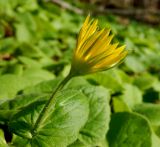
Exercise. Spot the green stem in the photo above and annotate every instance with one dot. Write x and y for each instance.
(49, 104)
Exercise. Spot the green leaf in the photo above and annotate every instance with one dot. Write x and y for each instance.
(20, 101)
(8, 108)
(43, 87)
(155, 140)
(29, 50)
(8, 45)
(131, 95)
(2, 31)
(156, 86)
(77, 82)
(5, 115)
(22, 33)
(62, 124)
(157, 130)
(151, 111)
(2, 139)
(145, 81)
(119, 105)
(97, 125)
(109, 79)
(29, 62)
(78, 144)
(134, 65)
(36, 75)
(10, 85)
(122, 77)
(129, 130)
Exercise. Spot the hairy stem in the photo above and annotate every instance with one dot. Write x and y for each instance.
(49, 104)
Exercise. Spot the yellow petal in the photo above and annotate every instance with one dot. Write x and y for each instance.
(98, 58)
(111, 61)
(119, 50)
(87, 47)
(84, 28)
(101, 45)
(90, 30)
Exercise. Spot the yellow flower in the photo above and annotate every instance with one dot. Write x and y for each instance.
(94, 51)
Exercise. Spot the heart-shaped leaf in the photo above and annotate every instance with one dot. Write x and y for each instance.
(62, 124)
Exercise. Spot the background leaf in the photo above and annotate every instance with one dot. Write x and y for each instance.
(132, 130)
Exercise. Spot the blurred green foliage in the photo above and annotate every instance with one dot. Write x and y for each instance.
(36, 43)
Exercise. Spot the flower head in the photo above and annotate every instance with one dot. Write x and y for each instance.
(94, 51)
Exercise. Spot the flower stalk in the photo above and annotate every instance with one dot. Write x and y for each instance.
(50, 103)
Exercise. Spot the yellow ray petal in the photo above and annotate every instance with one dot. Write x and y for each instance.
(90, 30)
(84, 27)
(109, 50)
(101, 46)
(111, 61)
(87, 47)
(119, 49)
